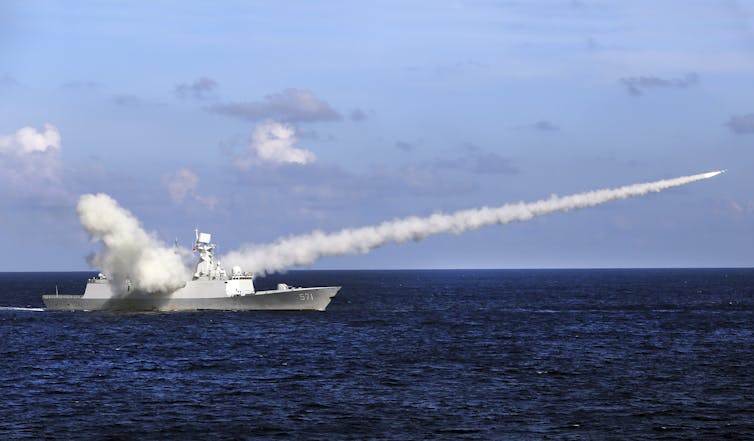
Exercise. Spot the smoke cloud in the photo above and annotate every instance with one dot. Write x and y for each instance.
(305, 249)
(129, 251)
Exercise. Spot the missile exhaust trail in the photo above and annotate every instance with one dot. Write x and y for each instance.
(305, 249)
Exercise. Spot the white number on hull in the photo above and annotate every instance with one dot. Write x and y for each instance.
(304, 296)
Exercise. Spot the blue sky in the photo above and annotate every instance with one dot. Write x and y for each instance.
(256, 120)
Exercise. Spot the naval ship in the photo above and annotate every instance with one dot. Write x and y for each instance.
(211, 288)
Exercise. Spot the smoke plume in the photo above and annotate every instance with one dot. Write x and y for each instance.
(305, 249)
(129, 251)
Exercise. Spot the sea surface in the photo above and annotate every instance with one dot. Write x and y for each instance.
(462, 354)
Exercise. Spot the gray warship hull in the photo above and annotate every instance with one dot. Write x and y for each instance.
(211, 288)
(292, 299)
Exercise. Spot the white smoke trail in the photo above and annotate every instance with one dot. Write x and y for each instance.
(305, 249)
(129, 252)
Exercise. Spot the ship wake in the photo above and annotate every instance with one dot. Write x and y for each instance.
(18, 308)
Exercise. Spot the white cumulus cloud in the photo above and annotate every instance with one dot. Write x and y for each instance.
(30, 156)
(28, 140)
(273, 142)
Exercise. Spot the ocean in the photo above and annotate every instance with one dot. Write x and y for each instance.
(638, 354)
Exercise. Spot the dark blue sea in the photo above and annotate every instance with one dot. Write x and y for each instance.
(463, 354)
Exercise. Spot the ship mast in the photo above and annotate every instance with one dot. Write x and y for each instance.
(207, 268)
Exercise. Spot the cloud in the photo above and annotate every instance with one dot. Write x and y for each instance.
(30, 159)
(290, 105)
(330, 191)
(542, 125)
(358, 115)
(742, 124)
(273, 142)
(8, 81)
(128, 100)
(478, 161)
(492, 163)
(636, 86)
(200, 89)
(423, 180)
(314, 187)
(183, 184)
(180, 184)
(545, 126)
(403, 145)
(28, 140)
(592, 44)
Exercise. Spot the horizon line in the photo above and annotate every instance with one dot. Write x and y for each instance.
(448, 269)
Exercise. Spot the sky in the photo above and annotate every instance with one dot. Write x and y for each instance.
(259, 120)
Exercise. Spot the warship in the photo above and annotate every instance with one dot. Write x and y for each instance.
(211, 288)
